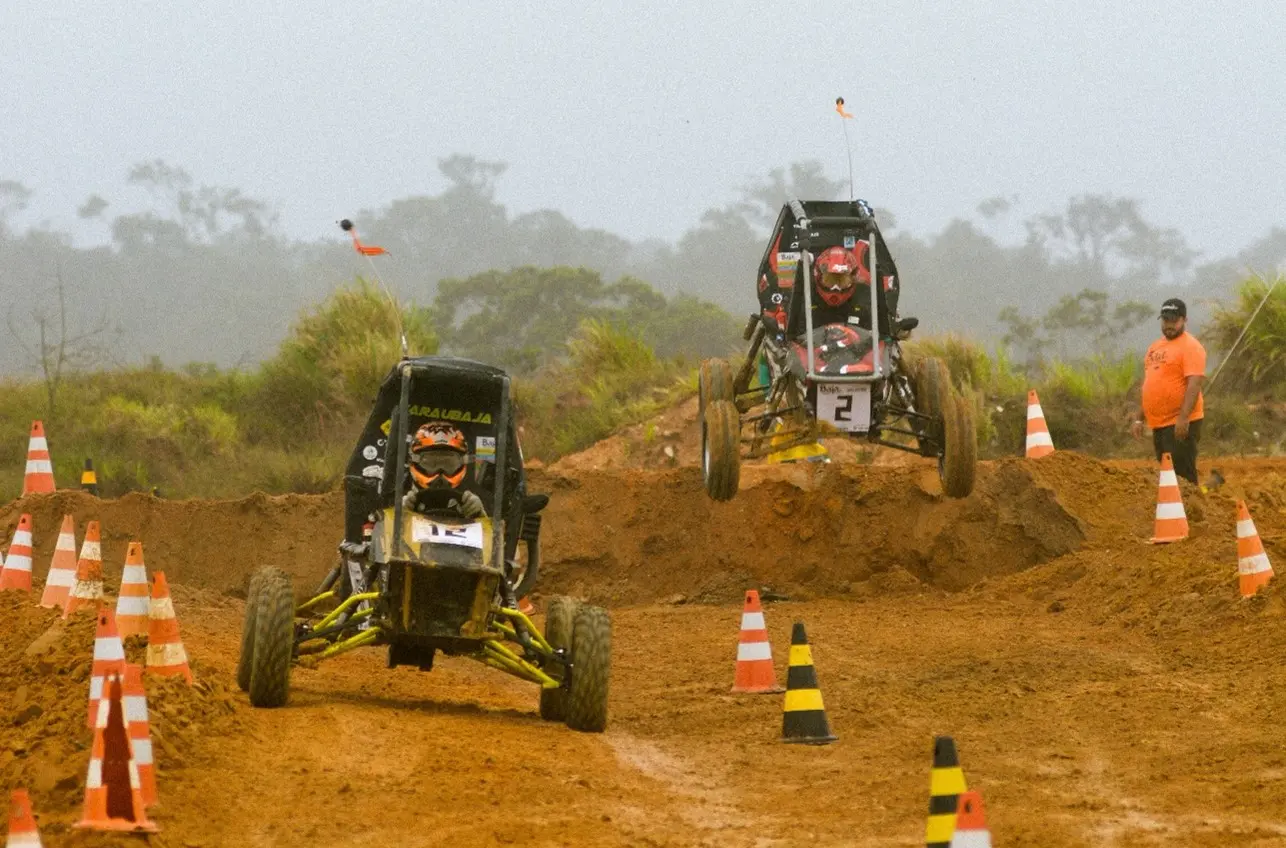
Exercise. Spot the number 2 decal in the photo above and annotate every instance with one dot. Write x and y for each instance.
(844, 408)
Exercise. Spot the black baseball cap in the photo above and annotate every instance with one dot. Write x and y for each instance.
(1174, 308)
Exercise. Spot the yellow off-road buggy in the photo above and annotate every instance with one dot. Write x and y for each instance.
(423, 583)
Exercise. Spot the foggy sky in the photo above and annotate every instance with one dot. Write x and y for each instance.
(635, 117)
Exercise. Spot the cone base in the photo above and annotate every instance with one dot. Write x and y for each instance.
(758, 690)
(811, 740)
(1165, 540)
(119, 826)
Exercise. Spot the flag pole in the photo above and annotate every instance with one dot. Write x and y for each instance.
(367, 251)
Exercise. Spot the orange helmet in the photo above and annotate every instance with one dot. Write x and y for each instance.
(438, 452)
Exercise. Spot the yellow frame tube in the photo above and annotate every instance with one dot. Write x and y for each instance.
(360, 640)
(498, 655)
(348, 602)
(531, 628)
(312, 602)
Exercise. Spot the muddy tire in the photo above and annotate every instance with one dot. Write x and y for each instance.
(721, 450)
(560, 616)
(714, 383)
(246, 658)
(274, 637)
(586, 705)
(930, 378)
(957, 466)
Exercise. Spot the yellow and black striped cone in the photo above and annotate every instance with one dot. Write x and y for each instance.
(89, 479)
(946, 784)
(803, 717)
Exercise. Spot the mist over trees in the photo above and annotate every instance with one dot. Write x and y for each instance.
(205, 274)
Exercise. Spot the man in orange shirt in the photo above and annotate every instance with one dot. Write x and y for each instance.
(1173, 372)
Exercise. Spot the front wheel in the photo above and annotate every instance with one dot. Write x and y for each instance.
(586, 704)
(274, 639)
(245, 661)
(721, 450)
(560, 616)
(714, 383)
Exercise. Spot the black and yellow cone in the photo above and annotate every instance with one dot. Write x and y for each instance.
(804, 717)
(946, 784)
(89, 479)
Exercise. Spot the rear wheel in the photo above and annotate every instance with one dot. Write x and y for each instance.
(586, 705)
(560, 617)
(274, 638)
(958, 464)
(714, 383)
(721, 450)
(246, 659)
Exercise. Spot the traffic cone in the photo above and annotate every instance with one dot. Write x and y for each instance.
(165, 653)
(62, 568)
(971, 823)
(89, 573)
(16, 573)
(1171, 520)
(755, 672)
(1039, 442)
(89, 479)
(1253, 568)
(109, 659)
(113, 796)
(803, 716)
(140, 731)
(40, 471)
(132, 602)
(946, 784)
(22, 825)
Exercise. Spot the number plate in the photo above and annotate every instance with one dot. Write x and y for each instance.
(847, 407)
(464, 536)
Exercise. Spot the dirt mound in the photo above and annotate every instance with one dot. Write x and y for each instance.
(45, 665)
(803, 530)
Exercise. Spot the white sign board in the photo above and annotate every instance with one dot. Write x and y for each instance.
(461, 535)
(846, 407)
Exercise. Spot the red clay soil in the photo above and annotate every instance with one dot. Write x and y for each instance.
(1101, 690)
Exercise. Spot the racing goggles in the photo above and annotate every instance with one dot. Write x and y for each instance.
(836, 282)
(435, 462)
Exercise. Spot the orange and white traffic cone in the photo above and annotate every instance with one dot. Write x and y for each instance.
(1253, 568)
(88, 589)
(971, 823)
(132, 602)
(40, 471)
(62, 568)
(1171, 520)
(109, 659)
(16, 573)
(22, 824)
(1039, 442)
(755, 672)
(113, 796)
(140, 731)
(165, 653)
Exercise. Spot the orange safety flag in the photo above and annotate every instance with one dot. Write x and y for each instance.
(839, 107)
(364, 249)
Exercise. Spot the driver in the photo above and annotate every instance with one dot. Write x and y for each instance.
(838, 276)
(439, 462)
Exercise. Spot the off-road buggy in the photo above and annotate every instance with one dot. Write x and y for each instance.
(426, 583)
(839, 379)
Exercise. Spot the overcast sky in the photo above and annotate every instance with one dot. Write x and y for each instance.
(637, 116)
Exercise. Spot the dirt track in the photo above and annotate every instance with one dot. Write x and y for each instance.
(1102, 691)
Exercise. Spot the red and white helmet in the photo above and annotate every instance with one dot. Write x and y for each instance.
(836, 275)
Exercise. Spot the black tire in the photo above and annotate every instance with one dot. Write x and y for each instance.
(274, 639)
(586, 705)
(714, 383)
(721, 450)
(958, 465)
(930, 378)
(246, 659)
(560, 615)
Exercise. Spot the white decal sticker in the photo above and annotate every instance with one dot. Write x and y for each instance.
(846, 407)
(373, 471)
(370, 452)
(461, 535)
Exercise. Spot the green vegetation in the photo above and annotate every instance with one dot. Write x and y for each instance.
(587, 358)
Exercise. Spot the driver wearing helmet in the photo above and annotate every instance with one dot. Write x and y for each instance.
(842, 285)
(438, 465)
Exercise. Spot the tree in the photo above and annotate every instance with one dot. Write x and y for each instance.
(57, 350)
(13, 198)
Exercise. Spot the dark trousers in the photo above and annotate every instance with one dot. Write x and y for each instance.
(1183, 452)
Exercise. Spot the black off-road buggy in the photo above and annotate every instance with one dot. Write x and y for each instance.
(843, 379)
(433, 582)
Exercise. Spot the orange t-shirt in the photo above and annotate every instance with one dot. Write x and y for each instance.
(1166, 369)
